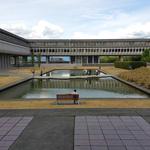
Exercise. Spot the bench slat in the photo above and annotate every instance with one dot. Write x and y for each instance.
(73, 97)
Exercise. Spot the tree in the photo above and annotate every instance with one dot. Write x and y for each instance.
(32, 58)
(146, 55)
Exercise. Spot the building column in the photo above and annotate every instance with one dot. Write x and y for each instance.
(92, 59)
(87, 60)
(0, 61)
(16, 61)
(47, 59)
(99, 59)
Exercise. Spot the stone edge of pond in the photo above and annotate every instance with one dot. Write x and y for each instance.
(3, 88)
(147, 91)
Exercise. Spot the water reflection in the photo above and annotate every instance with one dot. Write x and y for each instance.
(69, 73)
(91, 88)
(87, 88)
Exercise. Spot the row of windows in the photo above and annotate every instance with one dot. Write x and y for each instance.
(91, 43)
(87, 50)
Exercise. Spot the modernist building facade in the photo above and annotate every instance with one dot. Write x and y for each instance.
(12, 47)
(80, 51)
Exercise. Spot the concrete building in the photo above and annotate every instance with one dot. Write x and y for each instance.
(89, 51)
(15, 49)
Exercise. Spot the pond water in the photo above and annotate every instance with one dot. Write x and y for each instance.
(87, 88)
(70, 73)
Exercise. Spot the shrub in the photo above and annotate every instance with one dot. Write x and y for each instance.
(129, 64)
(108, 59)
(146, 55)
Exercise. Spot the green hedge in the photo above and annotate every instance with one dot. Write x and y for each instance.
(129, 64)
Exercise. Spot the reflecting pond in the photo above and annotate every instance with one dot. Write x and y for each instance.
(87, 88)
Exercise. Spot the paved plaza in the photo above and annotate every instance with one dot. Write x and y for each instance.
(10, 129)
(111, 133)
(75, 129)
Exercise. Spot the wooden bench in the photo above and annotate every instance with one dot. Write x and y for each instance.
(68, 97)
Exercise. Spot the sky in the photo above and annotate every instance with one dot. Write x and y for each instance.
(76, 19)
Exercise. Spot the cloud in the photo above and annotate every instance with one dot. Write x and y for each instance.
(42, 30)
(137, 30)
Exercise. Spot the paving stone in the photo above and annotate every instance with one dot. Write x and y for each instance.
(99, 148)
(104, 122)
(109, 127)
(120, 127)
(9, 138)
(120, 132)
(98, 142)
(131, 142)
(78, 136)
(81, 127)
(127, 137)
(112, 136)
(82, 148)
(144, 142)
(117, 148)
(14, 132)
(142, 137)
(4, 148)
(96, 137)
(137, 132)
(134, 148)
(109, 131)
(6, 143)
(114, 142)
(4, 132)
(1, 137)
(134, 128)
(146, 147)
(81, 142)
(94, 128)
(91, 132)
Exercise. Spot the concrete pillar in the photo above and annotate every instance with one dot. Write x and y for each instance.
(1, 61)
(99, 60)
(47, 59)
(16, 61)
(6, 60)
(92, 59)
